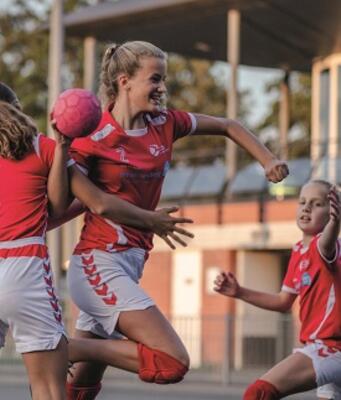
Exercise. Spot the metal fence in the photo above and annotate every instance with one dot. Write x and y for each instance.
(223, 349)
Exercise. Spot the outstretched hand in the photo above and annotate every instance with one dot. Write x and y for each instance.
(334, 204)
(276, 170)
(166, 226)
(226, 284)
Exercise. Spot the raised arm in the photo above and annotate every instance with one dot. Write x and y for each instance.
(227, 285)
(328, 239)
(121, 211)
(275, 170)
(58, 181)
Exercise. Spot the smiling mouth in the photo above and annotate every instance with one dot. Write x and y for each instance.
(305, 219)
(156, 100)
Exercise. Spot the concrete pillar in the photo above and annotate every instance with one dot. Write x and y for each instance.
(90, 70)
(284, 116)
(325, 143)
(56, 46)
(233, 50)
(315, 150)
(333, 143)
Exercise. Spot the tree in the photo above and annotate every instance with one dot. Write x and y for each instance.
(24, 50)
(300, 115)
(193, 85)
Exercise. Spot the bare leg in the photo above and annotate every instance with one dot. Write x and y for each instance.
(85, 373)
(120, 353)
(152, 329)
(292, 375)
(148, 326)
(47, 372)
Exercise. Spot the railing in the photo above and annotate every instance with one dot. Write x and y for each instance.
(223, 349)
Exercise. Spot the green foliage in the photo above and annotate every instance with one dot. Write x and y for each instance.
(194, 85)
(23, 62)
(24, 55)
(300, 113)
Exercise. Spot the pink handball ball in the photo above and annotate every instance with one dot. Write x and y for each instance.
(77, 112)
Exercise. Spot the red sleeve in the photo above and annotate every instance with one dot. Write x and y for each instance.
(46, 150)
(289, 279)
(81, 151)
(184, 123)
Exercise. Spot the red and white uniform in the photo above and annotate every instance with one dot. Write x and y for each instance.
(23, 192)
(109, 259)
(319, 289)
(28, 303)
(317, 281)
(131, 164)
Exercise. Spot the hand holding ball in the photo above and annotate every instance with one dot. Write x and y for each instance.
(76, 112)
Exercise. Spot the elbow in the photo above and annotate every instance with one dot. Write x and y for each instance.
(56, 212)
(57, 208)
(99, 207)
(231, 127)
(284, 308)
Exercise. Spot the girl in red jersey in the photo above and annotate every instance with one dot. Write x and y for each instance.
(314, 274)
(32, 166)
(33, 178)
(129, 155)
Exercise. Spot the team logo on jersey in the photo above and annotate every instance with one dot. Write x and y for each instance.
(122, 154)
(304, 264)
(306, 279)
(156, 150)
(104, 132)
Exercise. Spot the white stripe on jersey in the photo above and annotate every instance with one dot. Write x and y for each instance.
(103, 133)
(12, 244)
(36, 144)
(288, 289)
(122, 239)
(194, 123)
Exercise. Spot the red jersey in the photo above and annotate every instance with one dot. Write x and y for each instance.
(23, 192)
(319, 288)
(132, 165)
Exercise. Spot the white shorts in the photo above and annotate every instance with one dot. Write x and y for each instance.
(29, 306)
(327, 366)
(327, 391)
(103, 284)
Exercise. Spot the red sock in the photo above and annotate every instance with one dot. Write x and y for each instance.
(261, 390)
(78, 392)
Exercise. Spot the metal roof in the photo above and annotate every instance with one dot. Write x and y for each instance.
(251, 179)
(274, 33)
(194, 182)
(176, 182)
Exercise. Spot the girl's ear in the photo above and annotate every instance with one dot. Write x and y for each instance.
(123, 82)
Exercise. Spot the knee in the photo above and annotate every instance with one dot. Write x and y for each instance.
(159, 367)
(261, 390)
(183, 357)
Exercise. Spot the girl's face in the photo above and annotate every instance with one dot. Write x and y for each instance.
(313, 208)
(146, 89)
